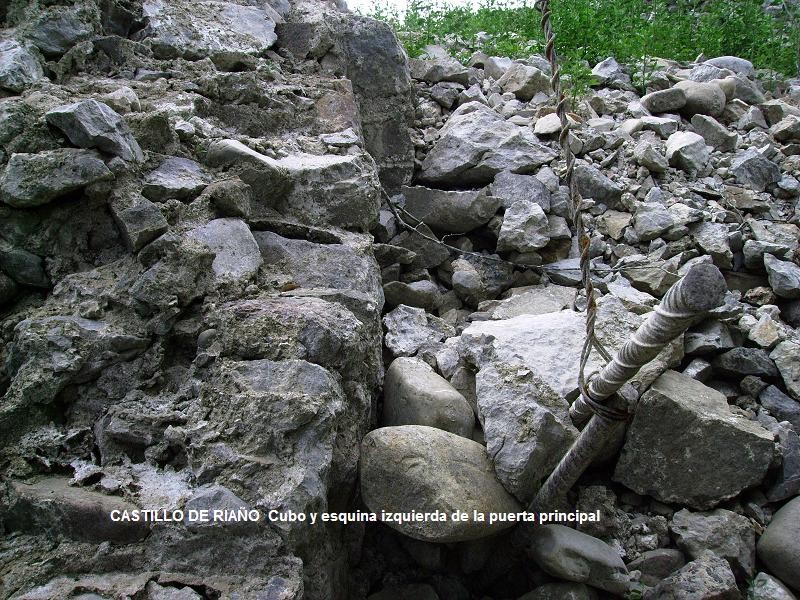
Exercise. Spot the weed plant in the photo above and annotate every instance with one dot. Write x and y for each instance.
(632, 31)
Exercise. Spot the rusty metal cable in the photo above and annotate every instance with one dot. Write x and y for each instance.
(576, 212)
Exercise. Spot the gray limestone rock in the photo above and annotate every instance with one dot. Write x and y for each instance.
(786, 357)
(733, 63)
(139, 220)
(408, 329)
(450, 211)
(712, 238)
(766, 587)
(413, 394)
(652, 220)
(236, 253)
(195, 30)
(687, 151)
(684, 445)
(476, 143)
(179, 178)
(592, 183)
(664, 101)
(721, 532)
(511, 188)
(739, 362)
(475, 280)
(92, 124)
(752, 169)
(568, 554)
(524, 81)
(650, 157)
(19, 68)
(526, 425)
(714, 133)
(784, 277)
(706, 578)
(417, 468)
(34, 179)
(778, 546)
(55, 32)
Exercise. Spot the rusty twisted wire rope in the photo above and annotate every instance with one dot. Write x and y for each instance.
(576, 215)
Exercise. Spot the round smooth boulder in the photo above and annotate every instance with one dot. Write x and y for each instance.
(413, 394)
(417, 470)
(779, 546)
(702, 98)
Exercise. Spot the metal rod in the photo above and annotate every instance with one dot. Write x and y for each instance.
(700, 290)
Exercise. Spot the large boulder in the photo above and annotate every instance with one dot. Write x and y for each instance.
(218, 30)
(92, 124)
(413, 394)
(784, 276)
(685, 445)
(702, 98)
(568, 554)
(476, 143)
(664, 101)
(34, 179)
(525, 228)
(779, 546)
(57, 30)
(450, 211)
(413, 468)
(592, 183)
(511, 187)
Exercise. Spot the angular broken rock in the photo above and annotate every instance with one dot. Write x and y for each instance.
(779, 546)
(427, 470)
(34, 179)
(785, 356)
(592, 183)
(19, 68)
(784, 277)
(524, 81)
(408, 329)
(714, 133)
(179, 178)
(139, 220)
(687, 151)
(195, 30)
(525, 228)
(236, 252)
(706, 578)
(754, 170)
(450, 211)
(511, 187)
(684, 445)
(413, 394)
(569, 554)
(721, 532)
(476, 143)
(92, 124)
(526, 425)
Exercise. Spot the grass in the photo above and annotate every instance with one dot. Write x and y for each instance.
(632, 31)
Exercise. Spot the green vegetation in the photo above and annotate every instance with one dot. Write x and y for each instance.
(632, 31)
